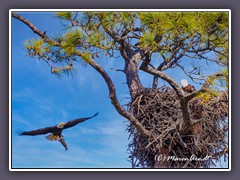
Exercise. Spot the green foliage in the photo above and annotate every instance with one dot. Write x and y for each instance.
(87, 34)
(219, 79)
(147, 40)
(185, 22)
(186, 25)
(64, 15)
(86, 57)
(207, 96)
(225, 74)
(35, 46)
(59, 72)
(73, 36)
(70, 40)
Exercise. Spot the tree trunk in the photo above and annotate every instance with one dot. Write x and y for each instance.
(131, 71)
(135, 86)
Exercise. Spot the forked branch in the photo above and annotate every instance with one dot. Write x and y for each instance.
(115, 102)
(183, 101)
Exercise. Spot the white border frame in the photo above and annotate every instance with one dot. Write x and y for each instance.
(113, 169)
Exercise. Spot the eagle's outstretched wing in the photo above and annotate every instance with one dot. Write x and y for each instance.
(37, 131)
(76, 121)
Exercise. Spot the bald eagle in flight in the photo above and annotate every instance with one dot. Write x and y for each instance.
(56, 131)
(187, 87)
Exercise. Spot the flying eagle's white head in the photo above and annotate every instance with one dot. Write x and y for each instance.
(61, 125)
(184, 83)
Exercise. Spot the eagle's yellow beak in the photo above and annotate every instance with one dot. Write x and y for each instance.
(61, 125)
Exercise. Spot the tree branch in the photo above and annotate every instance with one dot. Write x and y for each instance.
(34, 28)
(100, 70)
(155, 82)
(121, 40)
(204, 87)
(29, 24)
(183, 101)
(191, 76)
(115, 102)
(165, 77)
(194, 94)
(118, 70)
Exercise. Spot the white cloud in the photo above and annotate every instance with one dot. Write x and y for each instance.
(16, 118)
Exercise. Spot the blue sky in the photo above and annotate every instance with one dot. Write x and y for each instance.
(40, 99)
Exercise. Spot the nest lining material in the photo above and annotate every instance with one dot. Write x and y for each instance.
(159, 112)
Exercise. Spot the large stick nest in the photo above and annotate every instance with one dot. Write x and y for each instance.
(159, 112)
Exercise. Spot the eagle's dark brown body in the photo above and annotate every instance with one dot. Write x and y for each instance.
(189, 88)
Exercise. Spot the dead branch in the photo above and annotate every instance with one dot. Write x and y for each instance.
(114, 100)
(33, 28)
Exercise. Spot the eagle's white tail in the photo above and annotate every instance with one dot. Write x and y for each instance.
(51, 137)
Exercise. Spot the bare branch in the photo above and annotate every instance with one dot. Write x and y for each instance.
(29, 24)
(125, 47)
(121, 70)
(34, 28)
(165, 77)
(115, 102)
(155, 82)
(138, 29)
(190, 76)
